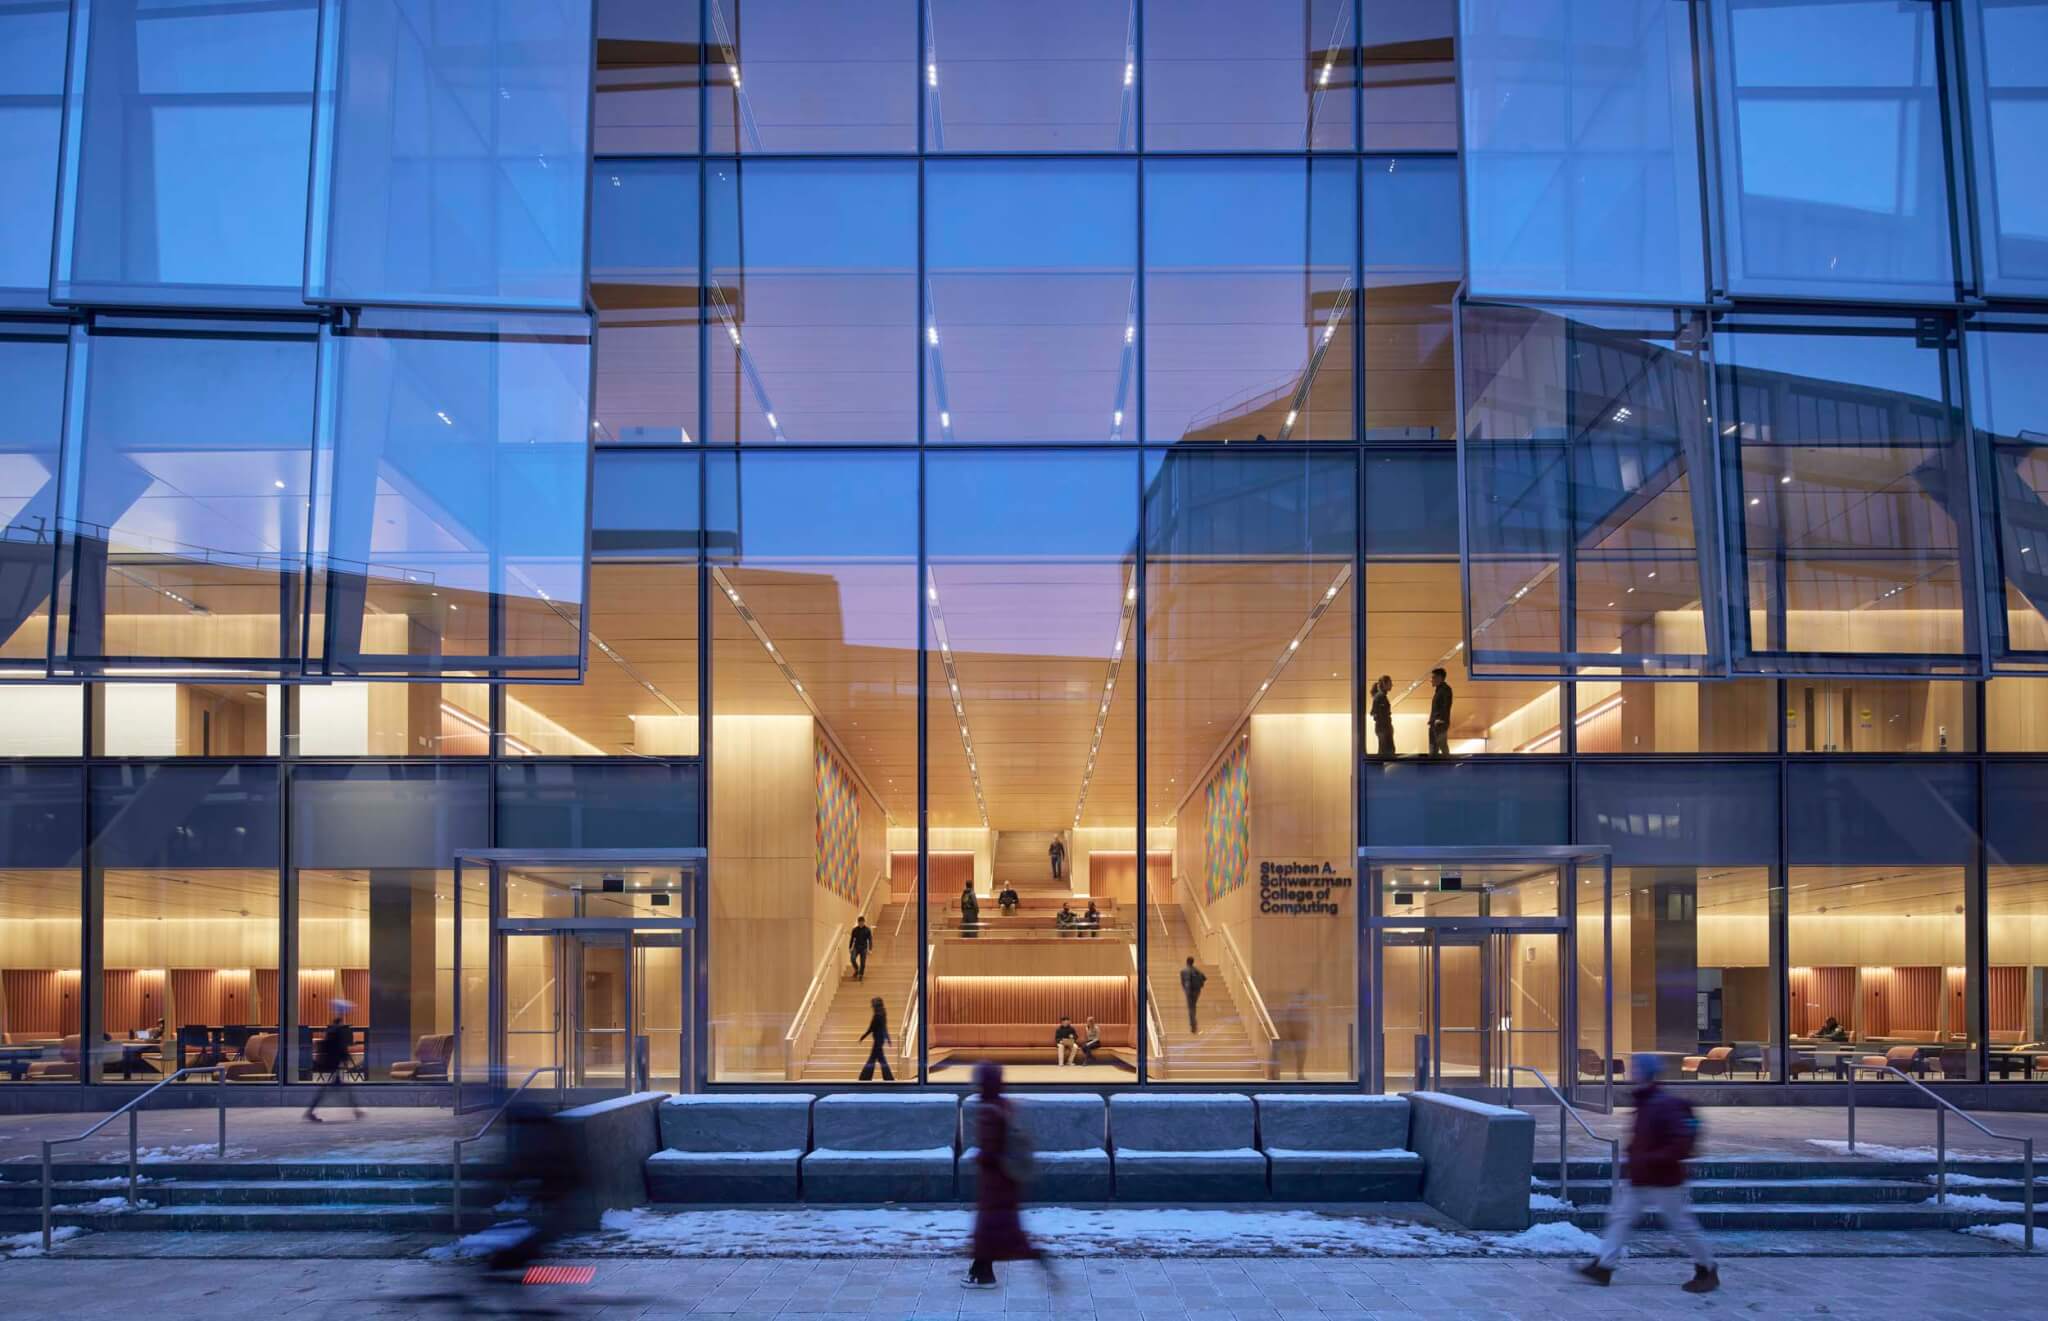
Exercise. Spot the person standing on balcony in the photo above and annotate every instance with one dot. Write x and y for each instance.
(1383, 714)
(878, 1033)
(857, 946)
(1191, 983)
(1664, 1134)
(1439, 714)
(1058, 853)
(970, 910)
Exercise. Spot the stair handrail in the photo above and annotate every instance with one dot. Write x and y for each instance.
(1942, 1107)
(455, 1163)
(1244, 977)
(828, 962)
(909, 1016)
(220, 1078)
(1155, 1030)
(1566, 1108)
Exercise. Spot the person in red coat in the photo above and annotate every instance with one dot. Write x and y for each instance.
(998, 1225)
(1663, 1137)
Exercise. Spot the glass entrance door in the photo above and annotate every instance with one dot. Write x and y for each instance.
(1460, 1006)
(606, 1006)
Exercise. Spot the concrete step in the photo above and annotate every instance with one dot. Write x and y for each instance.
(1792, 1167)
(1836, 1192)
(80, 1172)
(1800, 1215)
(334, 1217)
(258, 1192)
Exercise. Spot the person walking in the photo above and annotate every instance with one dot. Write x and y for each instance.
(331, 1058)
(1383, 715)
(1057, 851)
(1191, 983)
(1002, 1167)
(1439, 714)
(970, 911)
(878, 1033)
(1664, 1134)
(857, 946)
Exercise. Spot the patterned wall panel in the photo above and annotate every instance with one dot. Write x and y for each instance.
(838, 824)
(1227, 822)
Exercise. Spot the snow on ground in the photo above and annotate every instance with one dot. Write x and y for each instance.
(2013, 1234)
(1549, 1202)
(31, 1244)
(1973, 1202)
(189, 1151)
(1874, 1150)
(482, 1243)
(1956, 1180)
(1064, 1232)
(107, 1206)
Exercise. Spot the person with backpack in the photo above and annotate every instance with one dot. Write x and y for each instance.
(1665, 1132)
(857, 946)
(1003, 1166)
(1192, 979)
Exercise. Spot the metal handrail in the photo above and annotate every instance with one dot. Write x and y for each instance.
(1566, 1108)
(220, 1077)
(909, 1016)
(827, 960)
(1155, 1037)
(455, 1165)
(1941, 1112)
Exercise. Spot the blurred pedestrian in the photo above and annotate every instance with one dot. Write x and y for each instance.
(1002, 1169)
(1664, 1134)
(331, 1058)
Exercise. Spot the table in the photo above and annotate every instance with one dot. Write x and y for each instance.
(16, 1059)
(132, 1061)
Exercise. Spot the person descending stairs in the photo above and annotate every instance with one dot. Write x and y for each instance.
(837, 1054)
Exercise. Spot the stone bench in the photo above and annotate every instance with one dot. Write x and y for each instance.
(730, 1147)
(1069, 1139)
(1338, 1148)
(1185, 1148)
(882, 1147)
(1476, 1159)
(608, 1144)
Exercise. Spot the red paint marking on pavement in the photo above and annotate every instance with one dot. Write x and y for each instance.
(559, 1274)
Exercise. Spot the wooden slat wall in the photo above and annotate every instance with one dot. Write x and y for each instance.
(2008, 995)
(135, 999)
(1900, 1002)
(42, 1004)
(317, 990)
(1955, 1003)
(1044, 1000)
(1821, 993)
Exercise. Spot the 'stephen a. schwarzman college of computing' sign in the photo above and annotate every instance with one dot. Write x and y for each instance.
(1300, 889)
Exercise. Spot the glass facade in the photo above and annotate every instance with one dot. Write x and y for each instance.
(1031, 492)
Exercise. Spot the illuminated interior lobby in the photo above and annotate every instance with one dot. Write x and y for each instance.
(864, 463)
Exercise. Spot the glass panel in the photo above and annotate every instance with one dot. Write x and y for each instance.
(457, 135)
(1414, 622)
(371, 848)
(1466, 803)
(1249, 308)
(186, 160)
(40, 952)
(1834, 171)
(786, 75)
(2008, 359)
(189, 518)
(1693, 974)
(1250, 636)
(1031, 603)
(185, 874)
(33, 360)
(2009, 120)
(813, 301)
(1411, 75)
(1729, 716)
(460, 467)
(33, 37)
(1847, 496)
(999, 76)
(644, 282)
(555, 806)
(1220, 75)
(1876, 715)
(814, 635)
(186, 720)
(1585, 463)
(647, 77)
(391, 720)
(639, 697)
(1030, 301)
(2016, 715)
(1581, 150)
(1412, 266)
(2016, 985)
(39, 719)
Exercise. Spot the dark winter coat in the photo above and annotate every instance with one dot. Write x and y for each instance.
(1440, 705)
(1661, 1139)
(998, 1227)
(332, 1052)
(1382, 710)
(1191, 981)
(861, 940)
(878, 1028)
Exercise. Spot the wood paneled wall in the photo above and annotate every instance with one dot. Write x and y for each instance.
(2007, 993)
(962, 1000)
(1819, 994)
(37, 1003)
(1895, 1001)
(318, 988)
(134, 999)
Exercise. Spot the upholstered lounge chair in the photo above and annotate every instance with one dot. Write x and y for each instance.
(258, 1062)
(62, 1069)
(1716, 1063)
(429, 1062)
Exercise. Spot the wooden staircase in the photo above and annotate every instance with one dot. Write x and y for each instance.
(838, 1053)
(1022, 860)
(1222, 1051)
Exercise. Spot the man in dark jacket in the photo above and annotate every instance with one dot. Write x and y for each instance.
(878, 1035)
(1192, 980)
(1439, 714)
(1663, 1136)
(1058, 853)
(331, 1059)
(1383, 715)
(857, 946)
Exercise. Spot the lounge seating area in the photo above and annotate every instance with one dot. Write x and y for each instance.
(919, 1147)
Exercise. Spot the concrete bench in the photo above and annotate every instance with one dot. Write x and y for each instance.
(609, 1144)
(887, 1147)
(1185, 1148)
(738, 1147)
(1336, 1148)
(1069, 1137)
(1476, 1159)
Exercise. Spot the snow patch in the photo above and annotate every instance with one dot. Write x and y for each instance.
(1956, 1180)
(107, 1206)
(2016, 1235)
(189, 1151)
(482, 1243)
(31, 1244)
(713, 1100)
(1555, 1238)
(1973, 1202)
(513, 1206)
(1549, 1202)
(1874, 1150)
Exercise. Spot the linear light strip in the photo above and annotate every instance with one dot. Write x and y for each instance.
(946, 663)
(1125, 618)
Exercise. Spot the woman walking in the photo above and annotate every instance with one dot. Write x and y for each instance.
(878, 1053)
(1000, 1168)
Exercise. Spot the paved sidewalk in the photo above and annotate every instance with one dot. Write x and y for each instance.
(1111, 1290)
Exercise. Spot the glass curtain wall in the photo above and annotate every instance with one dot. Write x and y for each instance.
(42, 1021)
